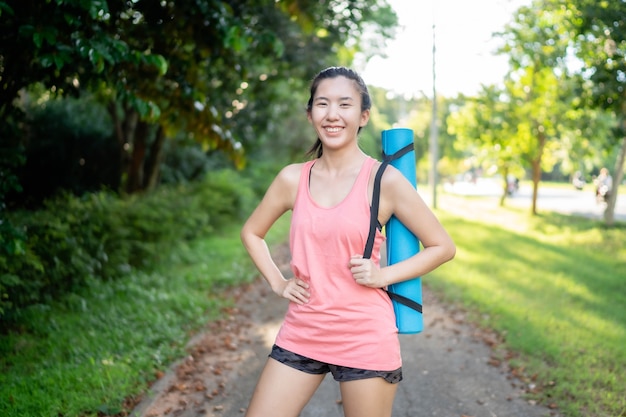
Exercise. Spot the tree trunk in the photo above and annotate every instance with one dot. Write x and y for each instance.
(153, 164)
(135, 169)
(536, 167)
(618, 176)
(131, 119)
(505, 175)
(536, 176)
(124, 132)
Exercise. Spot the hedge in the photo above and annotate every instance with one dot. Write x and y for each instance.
(48, 253)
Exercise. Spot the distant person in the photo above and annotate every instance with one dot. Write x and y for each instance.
(604, 185)
(512, 184)
(339, 319)
(578, 180)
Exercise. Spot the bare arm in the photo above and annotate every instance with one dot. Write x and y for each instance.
(399, 198)
(278, 199)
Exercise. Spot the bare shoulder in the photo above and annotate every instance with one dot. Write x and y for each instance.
(285, 186)
(398, 193)
(289, 176)
(291, 171)
(395, 180)
(391, 182)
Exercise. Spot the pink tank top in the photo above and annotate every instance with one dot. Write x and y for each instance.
(344, 323)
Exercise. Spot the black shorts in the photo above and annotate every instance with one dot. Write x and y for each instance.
(340, 373)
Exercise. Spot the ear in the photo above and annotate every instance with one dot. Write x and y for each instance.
(365, 117)
(309, 117)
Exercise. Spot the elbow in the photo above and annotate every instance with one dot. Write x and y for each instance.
(451, 252)
(248, 236)
(244, 235)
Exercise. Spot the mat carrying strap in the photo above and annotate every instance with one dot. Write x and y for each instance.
(367, 253)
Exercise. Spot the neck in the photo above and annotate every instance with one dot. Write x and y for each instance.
(338, 161)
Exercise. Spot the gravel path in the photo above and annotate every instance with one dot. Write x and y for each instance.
(452, 369)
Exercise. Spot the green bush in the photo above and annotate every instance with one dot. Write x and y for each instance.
(15, 257)
(71, 141)
(57, 250)
(262, 173)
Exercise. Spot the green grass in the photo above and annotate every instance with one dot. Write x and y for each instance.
(552, 286)
(86, 355)
(556, 292)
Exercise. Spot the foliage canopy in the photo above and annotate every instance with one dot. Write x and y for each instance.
(168, 67)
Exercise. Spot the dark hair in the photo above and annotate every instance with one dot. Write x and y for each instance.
(333, 72)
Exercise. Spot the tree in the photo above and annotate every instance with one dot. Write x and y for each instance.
(170, 67)
(486, 131)
(537, 85)
(600, 27)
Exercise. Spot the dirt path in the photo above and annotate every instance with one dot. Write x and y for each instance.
(452, 369)
(219, 374)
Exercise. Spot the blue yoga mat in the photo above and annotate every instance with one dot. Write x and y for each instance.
(401, 243)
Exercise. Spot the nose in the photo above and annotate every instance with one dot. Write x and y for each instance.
(333, 112)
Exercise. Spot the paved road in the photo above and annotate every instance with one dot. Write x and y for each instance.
(450, 370)
(561, 200)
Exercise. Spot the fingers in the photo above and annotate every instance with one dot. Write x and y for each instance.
(296, 290)
(359, 265)
(363, 271)
(356, 260)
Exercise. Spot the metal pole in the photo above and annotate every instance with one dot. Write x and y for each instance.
(434, 134)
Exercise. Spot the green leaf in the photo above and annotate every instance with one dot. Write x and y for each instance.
(235, 39)
(49, 34)
(37, 39)
(59, 60)
(279, 47)
(96, 59)
(46, 60)
(6, 8)
(158, 61)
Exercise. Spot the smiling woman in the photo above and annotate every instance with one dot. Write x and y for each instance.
(339, 319)
(336, 108)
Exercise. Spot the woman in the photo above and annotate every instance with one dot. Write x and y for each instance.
(339, 319)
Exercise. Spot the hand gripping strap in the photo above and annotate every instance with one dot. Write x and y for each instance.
(367, 253)
(376, 197)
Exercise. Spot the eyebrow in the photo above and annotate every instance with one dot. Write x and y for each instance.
(340, 99)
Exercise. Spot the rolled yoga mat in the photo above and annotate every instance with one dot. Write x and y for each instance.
(401, 243)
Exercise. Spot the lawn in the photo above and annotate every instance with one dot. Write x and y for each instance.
(554, 288)
(94, 352)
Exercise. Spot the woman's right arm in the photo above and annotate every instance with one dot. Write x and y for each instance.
(279, 198)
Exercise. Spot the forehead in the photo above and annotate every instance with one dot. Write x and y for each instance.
(337, 87)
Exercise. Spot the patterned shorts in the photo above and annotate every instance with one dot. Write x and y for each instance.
(340, 373)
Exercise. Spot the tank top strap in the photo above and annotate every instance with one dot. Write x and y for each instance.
(365, 174)
(305, 175)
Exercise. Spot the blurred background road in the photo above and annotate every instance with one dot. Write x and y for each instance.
(566, 200)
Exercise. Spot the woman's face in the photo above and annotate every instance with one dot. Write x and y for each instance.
(336, 112)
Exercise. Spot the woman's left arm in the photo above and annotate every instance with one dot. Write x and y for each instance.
(399, 198)
(402, 200)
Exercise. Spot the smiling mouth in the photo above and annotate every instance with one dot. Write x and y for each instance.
(333, 129)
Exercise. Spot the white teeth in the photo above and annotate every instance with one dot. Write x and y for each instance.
(333, 129)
